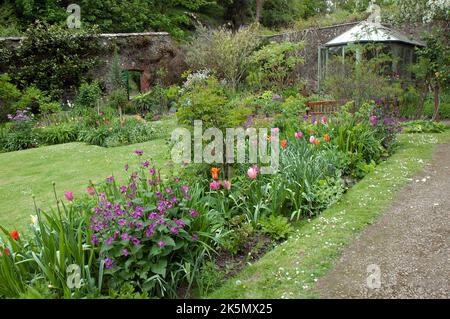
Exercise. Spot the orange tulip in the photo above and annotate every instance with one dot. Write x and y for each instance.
(283, 144)
(316, 141)
(215, 172)
(327, 137)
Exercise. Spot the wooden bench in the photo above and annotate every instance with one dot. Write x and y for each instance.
(323, 107)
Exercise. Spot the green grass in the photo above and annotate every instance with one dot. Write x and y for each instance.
(70, 166)
(292, 268)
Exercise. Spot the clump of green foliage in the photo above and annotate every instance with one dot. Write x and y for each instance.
(52, 58)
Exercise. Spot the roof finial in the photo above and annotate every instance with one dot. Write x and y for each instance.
(375, 13)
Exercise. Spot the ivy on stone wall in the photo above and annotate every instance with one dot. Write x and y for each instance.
(54, 59)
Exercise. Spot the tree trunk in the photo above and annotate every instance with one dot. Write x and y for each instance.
(436, 103)
(259, 8)
(423, 90)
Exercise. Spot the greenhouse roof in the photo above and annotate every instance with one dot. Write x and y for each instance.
(371, 32)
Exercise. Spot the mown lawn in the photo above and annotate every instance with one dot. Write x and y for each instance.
(70, 166)
(292, 268)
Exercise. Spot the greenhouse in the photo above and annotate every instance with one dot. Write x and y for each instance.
(400, 46)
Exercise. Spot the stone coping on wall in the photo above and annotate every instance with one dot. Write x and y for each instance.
(105, 35)
(283, 34)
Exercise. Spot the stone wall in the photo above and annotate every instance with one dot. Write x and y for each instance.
(146, 52)
(143, 52)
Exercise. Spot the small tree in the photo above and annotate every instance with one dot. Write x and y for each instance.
(118, 96)
(433, 66)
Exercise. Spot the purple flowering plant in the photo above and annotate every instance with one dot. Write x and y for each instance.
(143, 228)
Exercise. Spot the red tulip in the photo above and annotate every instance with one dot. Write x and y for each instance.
(15, 234)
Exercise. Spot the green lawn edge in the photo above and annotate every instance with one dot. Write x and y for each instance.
(293, 267)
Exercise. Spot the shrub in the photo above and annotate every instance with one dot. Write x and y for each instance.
(239, 233)
(9, 95)
(203, 101)
(118, 100)
(223, 51)
(154, 101)
(273, 64)
(89, 95)
(20, 134)
(268, 103)
(276, 227)
(52, 58)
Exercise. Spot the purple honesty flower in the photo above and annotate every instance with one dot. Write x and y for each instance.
(122, 222)
(137, 212)
(184, 188)
(21, 116)
(108, 263)
(94, 239)
(180, 222)
(109, 241)
(153, 215)
(174, 230)
(124, 236)
(135, 241)
(194, 213)
(194, 237)
(139, 152)
(146, 164)
(110, 179)
(161, 243)
(125, 252)
(373, 120)
(150, 230)
(123, 189)
(153, 171)
(126, 167)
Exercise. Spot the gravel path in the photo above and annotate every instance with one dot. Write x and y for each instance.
(410, 243)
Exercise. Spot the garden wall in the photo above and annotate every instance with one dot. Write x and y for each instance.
(143, 52)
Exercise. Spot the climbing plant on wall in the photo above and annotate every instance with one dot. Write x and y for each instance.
(52, 58)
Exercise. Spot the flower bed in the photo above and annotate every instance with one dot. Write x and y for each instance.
(154, 237)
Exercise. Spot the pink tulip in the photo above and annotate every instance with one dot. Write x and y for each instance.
(276, 130)
(252, 172)
(215, 185)
(312, 139)
(298, 135)
(323, 120)
(69, 196)
(227, 184)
